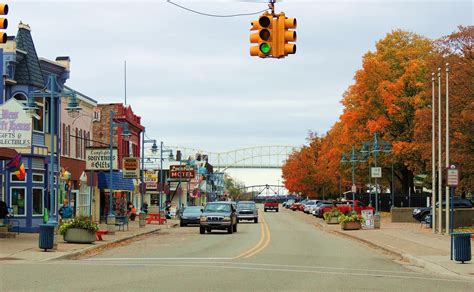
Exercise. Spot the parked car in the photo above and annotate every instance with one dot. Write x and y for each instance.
(270, 204)
(318, 210)
(289, 203)
(295, 206)
(348, 205)
(190, 215)
(421, 214)
(247, 210)
(309, 205)
(218, 215)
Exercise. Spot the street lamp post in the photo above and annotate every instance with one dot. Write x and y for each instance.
(125, 135)
(154, 149)
(375, 150)
(354, 160)
(161, 168)
(52, 92)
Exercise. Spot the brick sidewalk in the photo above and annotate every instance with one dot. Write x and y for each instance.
(25, 245)
(408, 241)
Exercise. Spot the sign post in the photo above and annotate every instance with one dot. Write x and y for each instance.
(452, 181)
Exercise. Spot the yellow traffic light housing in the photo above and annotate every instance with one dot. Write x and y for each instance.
(285, 34)
(263, 37)
(3, 22)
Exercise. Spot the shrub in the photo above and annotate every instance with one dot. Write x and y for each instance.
(352, 216)
(78, 222)
(333, 213)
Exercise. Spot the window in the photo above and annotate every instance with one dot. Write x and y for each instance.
(68, 140)
(18, 201)
(14, 178)
(38, 199)
(77, 143)
(38, 123)
(38, 178)
(63, 139)
(2, 196)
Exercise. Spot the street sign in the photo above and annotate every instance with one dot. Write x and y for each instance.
(376, 172)
(354, 189)
(452, 175)
(131, 167)
(175, 171)
(368, 216)
(99, 159)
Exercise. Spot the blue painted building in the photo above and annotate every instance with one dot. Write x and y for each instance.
(24, 73)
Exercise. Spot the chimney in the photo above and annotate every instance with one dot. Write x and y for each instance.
(65, 61)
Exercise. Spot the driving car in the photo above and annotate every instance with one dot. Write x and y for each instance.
(247, 210)
(220, 216)
(190, 215)
(421, 214)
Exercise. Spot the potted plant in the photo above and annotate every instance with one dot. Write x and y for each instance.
(332, 217)
(351, 221)
(79, 230)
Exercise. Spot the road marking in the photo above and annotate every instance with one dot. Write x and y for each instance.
(148, 259)
(263, 235)
(264, 245)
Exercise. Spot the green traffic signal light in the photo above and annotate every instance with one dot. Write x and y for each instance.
(265, 48)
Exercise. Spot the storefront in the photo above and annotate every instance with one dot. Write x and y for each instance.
(122, 193)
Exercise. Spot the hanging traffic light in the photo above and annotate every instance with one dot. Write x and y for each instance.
(263, 37)
(3, 22)
(285, 33)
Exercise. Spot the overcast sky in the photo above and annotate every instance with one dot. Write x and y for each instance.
(191, 78)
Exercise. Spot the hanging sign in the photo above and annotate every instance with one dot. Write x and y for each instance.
(131, 167)
(176, 170)
(16, 125)
(368, 216)
(99, 159)
(151, 179)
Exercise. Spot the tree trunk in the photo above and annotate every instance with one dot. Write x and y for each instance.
(407, 180)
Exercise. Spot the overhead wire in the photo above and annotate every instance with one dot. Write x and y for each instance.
(215, 15)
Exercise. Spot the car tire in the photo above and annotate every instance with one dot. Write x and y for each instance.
(181, 224)
(208, 230)
(234, 229)
(230, 229)
(265, 210)
(202, 230)
(276, 210)
(255, 220)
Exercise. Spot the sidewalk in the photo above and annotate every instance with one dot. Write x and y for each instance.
(411, 242)
(25, 245)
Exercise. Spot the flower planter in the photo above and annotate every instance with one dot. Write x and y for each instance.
(333, 220)
(355, 225)
(77, 235)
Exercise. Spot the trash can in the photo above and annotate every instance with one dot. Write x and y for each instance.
(141, 219)
(462, 246)
(377, 221)
(46, 236)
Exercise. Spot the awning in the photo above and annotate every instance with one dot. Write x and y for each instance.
(118, 182)
(7, 153)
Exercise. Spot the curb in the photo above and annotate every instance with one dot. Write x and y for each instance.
(105, 246)
(413, 260)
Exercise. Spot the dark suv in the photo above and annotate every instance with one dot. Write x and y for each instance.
(421, 214)
(218, 215)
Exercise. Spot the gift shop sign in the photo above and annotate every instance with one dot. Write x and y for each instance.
(99, 159)
(15, 125)
(151, 179)
(131, 167)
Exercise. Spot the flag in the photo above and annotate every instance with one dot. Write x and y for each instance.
(17, 167)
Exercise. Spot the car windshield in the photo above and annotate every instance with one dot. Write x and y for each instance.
(192, 210)
(271, 201)
(217, 208)
(246, 206)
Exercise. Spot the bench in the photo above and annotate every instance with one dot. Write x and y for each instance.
(121, 221)
(99, 233)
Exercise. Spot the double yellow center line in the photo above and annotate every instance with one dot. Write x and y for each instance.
(265, 238)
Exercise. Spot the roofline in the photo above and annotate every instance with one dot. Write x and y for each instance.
(83, 95)
(52, 62)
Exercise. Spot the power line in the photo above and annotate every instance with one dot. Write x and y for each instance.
(215, 15)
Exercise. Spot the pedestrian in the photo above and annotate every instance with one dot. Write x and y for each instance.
(3, 211)
(145, 207)
(65, 211)
(133, 213)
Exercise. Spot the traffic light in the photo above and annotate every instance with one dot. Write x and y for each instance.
(263, 37)
(285, 33)
(3, 22)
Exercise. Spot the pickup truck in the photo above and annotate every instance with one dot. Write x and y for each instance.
(271, 204)
(348, 205)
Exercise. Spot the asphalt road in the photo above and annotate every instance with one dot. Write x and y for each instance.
(284, 251)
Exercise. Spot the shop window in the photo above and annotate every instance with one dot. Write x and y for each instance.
(38, 199)
(2, 196)
(38, 178)
(38, 122)
(18, 201)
